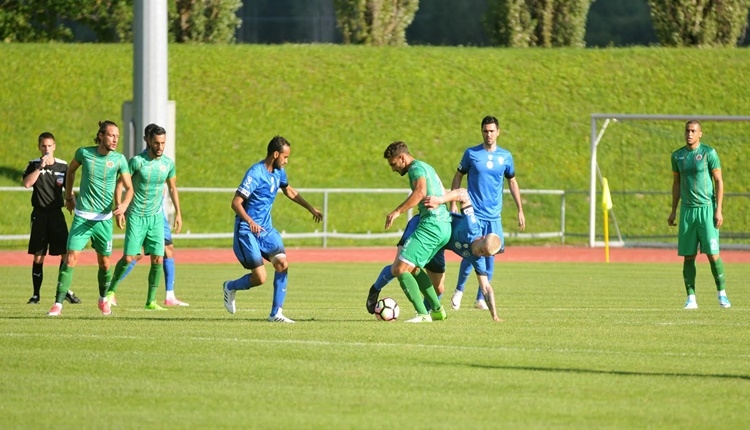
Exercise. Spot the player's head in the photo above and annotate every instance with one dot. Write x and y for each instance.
(46, 143)
(156, 140)
(487, 246)
(398, 156)
(278, 151)
(147, 131)
(490, 129)
(108, 135)
(693, 132)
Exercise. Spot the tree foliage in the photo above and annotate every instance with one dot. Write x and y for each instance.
(699, 22)
(545, 23)
(212, 21)
(375, 22)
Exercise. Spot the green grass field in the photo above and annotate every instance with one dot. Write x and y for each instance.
(582, 346)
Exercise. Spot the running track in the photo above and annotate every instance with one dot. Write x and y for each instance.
(386, 254)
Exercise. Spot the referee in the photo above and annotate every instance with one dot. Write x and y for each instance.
(49, 230)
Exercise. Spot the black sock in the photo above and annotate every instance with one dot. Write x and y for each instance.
(37, 275)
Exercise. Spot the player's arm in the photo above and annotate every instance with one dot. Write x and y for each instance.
(454, 195)
(418, 193)
(175, 196)
(119, 190)
(719, 191)
(238, 206)
(676, 197)
(489, 295)
(515, 191)
(455, 184)
(296, 197)
(70, 179)
(33, 171)
(127, 183)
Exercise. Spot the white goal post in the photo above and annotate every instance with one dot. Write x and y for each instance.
(597, 134)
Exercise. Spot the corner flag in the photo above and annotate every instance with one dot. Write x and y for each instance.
(606, 206)
(606, 197)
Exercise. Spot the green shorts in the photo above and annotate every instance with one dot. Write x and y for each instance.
(146, 232)
(697, 227)
(430, 237)
(100, 233)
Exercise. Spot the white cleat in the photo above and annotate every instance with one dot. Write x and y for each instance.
(691, 304)
(420, 318)
(456, 299)
(481, 304)
(279, 317)
(229, 298)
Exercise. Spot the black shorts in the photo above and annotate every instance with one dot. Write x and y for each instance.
(49, 230)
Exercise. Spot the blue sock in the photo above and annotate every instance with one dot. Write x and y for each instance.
(279, 291)
(169, 273)
(384, 278)
(463, 274)
(127, 270)
(242, 283)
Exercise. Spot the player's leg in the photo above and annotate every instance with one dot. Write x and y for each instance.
(435, 269)
(135, 234)
(37, 248)
(709, 240)
(385, 276)
(101, 239)
(153, 244)
(80, 233)
(57, 232)
(464, 270)
(272, 249)
(247, 250)
(687, 245)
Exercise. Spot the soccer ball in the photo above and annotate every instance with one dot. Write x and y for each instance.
(386, 309)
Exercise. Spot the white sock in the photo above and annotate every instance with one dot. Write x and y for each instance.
(170, 295)
(691, 297)
(722, 293)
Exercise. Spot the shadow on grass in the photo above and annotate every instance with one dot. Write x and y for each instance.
(13, 173)
(612, 372)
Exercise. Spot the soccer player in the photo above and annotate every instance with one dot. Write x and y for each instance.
(49, 230)
(150, 169)
(487, 165)
(466, 241)
(697, 181)
(255, 238)
(431, 234)
(100, 166)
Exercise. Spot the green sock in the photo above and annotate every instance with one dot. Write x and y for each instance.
(119, 269)
(64, 278)
(411, 289)
(427, 289)
(154, 276)
(105, 278)
(688, 275)
(717, 269)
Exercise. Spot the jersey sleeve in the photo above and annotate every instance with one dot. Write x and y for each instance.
(510, 168)
(713, 161)
(465, 163)
(123, 168)
(673, 160)
(248, 184)
(30, 168)
(283, 181)
(172, 170)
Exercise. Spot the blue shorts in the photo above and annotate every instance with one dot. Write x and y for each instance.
(437, 263)
(250, 249)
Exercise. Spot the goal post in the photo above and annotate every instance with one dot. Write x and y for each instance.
(598, 133)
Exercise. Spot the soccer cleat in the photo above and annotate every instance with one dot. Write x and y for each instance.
(229, 298)
(481, 304)
(111, 299)
(56, 310)
(372, 299)
(724, 302)
(456, 299)
(152, 306)
(33, 300)
(72, 298)
(104, 307)
(420, 318)
(175, 302)
(439, 314)
(692, 304)
(279, 317)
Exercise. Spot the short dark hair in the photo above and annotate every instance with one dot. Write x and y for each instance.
(395, 149)
(45, 135)
(694, 122)
(103, 125)
(277, 144)
(154, 131)
(148, 129)
(490, 120)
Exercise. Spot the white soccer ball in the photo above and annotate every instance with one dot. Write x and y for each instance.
(386, 309)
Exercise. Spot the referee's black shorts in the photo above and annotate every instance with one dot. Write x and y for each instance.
(49, 231)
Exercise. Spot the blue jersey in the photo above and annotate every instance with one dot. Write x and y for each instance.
(464, 230)
(259, 188)
(486, 172)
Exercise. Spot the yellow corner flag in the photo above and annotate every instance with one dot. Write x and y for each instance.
(606, 197)
(606, 206)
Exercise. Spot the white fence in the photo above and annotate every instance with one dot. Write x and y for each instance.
(325, 234)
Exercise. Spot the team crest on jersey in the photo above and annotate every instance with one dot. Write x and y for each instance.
(59, 180)
(110, 164)
(163, 168)
(490, 164)
(699, 157)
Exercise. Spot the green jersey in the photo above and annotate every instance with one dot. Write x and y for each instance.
(419, 169)
(149, 175)
(695, 167)
(98, 181)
